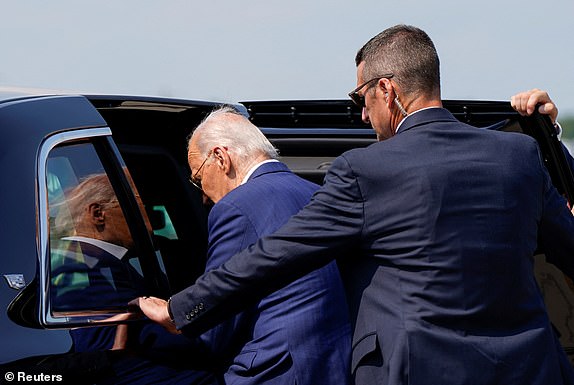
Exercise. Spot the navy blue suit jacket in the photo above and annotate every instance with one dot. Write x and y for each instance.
(440, 223)
(297, 335)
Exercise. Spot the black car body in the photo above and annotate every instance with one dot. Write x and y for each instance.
(48, 143)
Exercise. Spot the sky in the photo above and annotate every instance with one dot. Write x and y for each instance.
(232, 51)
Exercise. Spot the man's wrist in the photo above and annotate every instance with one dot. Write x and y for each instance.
(169, 312)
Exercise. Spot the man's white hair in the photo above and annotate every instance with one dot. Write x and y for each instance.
(226, 127)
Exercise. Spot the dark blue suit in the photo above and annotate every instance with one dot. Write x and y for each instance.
(440, 223)
(155, 355)
(297, 335)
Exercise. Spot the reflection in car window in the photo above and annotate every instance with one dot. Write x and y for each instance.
(91, 266)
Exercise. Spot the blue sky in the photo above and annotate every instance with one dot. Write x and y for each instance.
(266, 49)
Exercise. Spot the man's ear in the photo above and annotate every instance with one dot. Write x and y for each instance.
(97, 214)
(222, 159)
(388, 90)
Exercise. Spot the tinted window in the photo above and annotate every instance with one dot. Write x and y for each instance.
(91, 265)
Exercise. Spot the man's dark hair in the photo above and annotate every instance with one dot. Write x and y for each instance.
(408, 53)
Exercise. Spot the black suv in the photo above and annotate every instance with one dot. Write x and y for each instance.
(49, 144)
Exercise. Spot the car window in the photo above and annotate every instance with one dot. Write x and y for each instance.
(161, 222)
(91, 265)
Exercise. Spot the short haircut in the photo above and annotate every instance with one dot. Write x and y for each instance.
(408, 53)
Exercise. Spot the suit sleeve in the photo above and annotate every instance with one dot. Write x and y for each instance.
(229, 232)
(331, 223)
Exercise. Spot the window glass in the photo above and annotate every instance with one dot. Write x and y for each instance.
(161, 222)
(91, 265)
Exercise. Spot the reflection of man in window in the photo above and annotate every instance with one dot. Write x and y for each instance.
(92, 259)
(92, 270)
(90, 266)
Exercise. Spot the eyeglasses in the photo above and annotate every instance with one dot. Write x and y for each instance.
(359, 99)
(194, 180)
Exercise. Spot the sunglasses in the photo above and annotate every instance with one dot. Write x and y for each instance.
(359, 99)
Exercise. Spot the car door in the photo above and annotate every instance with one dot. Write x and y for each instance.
(58, 157)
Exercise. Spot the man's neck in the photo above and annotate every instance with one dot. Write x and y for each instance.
(421, 102)
(248, 167)
(414, 105)
(255, 167)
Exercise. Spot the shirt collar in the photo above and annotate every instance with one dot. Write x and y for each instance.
(252, 169)
(412, 113)
(115, 250)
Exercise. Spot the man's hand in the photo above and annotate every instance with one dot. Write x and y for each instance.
(156, 310)
(525, 103)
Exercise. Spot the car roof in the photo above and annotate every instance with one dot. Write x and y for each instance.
(9, 94)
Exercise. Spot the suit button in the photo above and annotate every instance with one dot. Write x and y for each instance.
(201, 306)
(188, 316)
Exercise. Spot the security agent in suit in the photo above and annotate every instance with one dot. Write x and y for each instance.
(299, 334)
(440, 221)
